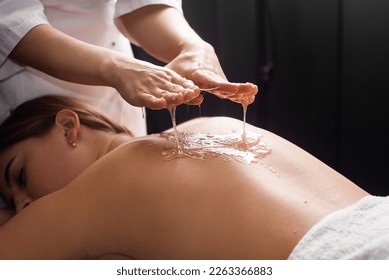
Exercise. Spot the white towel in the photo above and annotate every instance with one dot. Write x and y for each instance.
(358, 232)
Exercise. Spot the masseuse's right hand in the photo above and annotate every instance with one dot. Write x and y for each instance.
(144, 84)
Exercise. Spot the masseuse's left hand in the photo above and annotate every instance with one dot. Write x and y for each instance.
(200, 64)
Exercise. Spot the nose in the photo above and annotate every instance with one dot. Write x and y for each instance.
(22, 199)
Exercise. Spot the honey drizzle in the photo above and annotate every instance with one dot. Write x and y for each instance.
(242, 147)
(172, 111)
(244, 140)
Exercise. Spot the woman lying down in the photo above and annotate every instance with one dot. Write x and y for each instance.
(83, 187)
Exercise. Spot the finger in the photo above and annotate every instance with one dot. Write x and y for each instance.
(172, 97)
(207, 79)
(248, 88)
(182, 81)
(219, 86)
(152, 102)
(245, 100)
(186, 83)
(235, 89)
(173, 94)
(185, 94)
(196, 101)
(191, 93)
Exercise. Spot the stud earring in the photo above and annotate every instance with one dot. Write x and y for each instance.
(73, 144)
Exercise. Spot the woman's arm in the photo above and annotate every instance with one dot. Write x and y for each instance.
(141, 84)
(164, 33)
(47, 229)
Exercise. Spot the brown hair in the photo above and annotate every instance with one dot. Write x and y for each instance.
(36, 117)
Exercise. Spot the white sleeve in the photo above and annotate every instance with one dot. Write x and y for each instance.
(17, 17)
(127, 6)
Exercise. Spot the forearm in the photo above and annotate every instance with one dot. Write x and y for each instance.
(139, 83)
(59, 55)
(161, 31)
(23, 238)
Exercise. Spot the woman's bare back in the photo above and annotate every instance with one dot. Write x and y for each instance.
(134, 203)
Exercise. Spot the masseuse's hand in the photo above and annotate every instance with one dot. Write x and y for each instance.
(164, 33)
(201, 65)
(144, 84)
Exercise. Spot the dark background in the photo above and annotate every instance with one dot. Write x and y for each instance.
(322, 68)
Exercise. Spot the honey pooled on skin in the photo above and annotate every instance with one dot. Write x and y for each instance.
(200, 145)
(241, 146)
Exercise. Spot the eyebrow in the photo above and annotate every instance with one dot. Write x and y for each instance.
(6, 171)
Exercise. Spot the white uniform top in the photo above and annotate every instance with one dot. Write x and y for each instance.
(91, 21)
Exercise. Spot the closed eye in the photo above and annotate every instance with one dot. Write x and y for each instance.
(22, 180)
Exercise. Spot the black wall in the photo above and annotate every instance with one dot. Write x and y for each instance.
(329, 91)
(322, 68)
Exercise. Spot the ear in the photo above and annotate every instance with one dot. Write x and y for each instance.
(70, 123)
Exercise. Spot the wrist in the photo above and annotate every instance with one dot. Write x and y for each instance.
(197, 46)
(109, 69)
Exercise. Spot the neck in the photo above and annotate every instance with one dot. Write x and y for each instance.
(113, 141)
